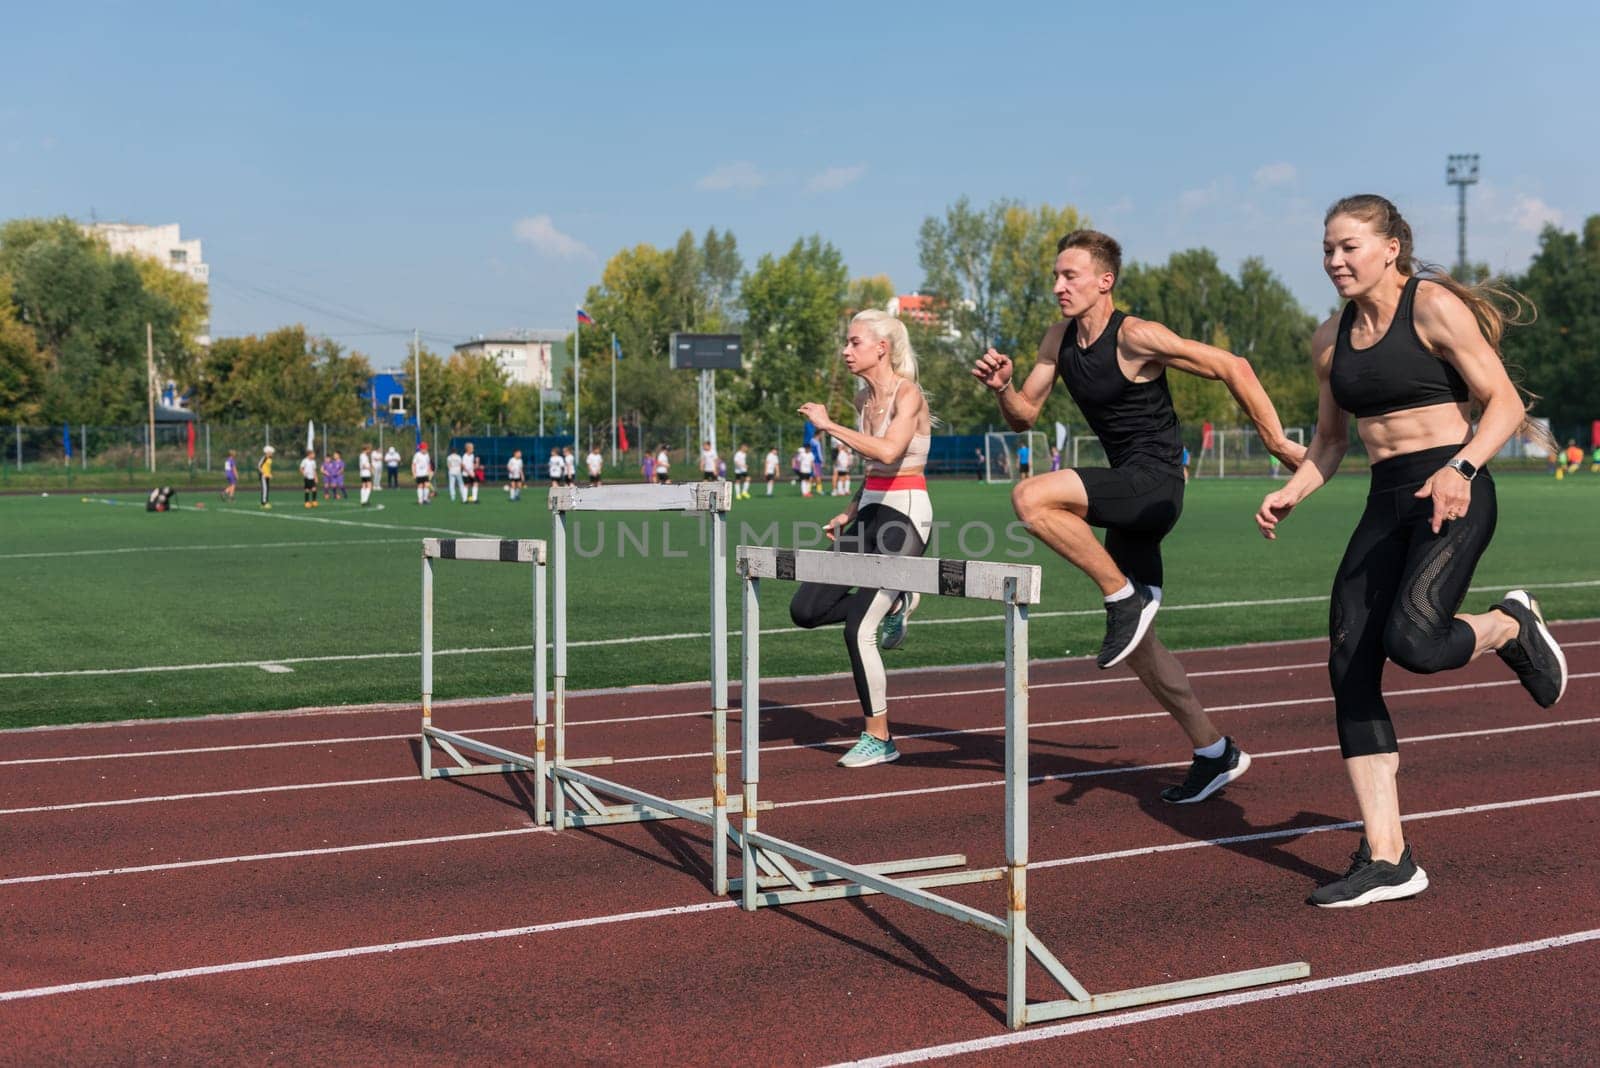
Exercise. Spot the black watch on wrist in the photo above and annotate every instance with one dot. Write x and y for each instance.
(1465, 468)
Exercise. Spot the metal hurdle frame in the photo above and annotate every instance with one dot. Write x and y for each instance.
(584, 789)
(492, 550)
(1016, 586)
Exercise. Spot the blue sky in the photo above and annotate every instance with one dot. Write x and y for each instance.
(365, 168)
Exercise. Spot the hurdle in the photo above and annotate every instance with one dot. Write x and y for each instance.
(453, 743)
(1015, 586)
(578, 795)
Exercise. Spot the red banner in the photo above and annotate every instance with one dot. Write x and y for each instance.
(1206, 436)
(622, 436)
(191, 441)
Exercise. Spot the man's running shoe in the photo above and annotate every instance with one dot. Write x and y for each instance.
(1369, 881)
(1207, 775)
(1127, 622)
(1533, 654)
(892, 631)
(869, 751)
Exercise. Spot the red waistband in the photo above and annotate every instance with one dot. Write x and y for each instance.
(881, 484)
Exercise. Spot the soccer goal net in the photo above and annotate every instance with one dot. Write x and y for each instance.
(1009, 455)
(1239, 452)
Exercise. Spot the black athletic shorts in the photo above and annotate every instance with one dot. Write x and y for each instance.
(1137, 506)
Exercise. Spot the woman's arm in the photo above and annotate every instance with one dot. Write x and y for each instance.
(885, 450)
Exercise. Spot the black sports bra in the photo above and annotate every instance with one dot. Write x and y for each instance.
(1395, 373)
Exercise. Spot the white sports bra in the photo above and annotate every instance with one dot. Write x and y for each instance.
(916, 455)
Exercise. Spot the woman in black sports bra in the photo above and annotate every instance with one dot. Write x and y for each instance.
(1408, 357)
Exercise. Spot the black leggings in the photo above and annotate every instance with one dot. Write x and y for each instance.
(1397, 591)
(877, 529)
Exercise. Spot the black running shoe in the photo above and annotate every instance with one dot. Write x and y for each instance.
(1207, 775)
(1369, 881)
(1127, 622)
(1533, 654)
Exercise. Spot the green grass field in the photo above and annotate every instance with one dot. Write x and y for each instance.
(113, 613)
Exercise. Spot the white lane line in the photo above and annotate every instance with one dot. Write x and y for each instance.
(682, 636)
(360, 951)
(325, 544)
(592, 921)
(285, 855)
(1091, 773)
(1224, 1001)
(642, 718)
(701, 713)
(1132, 769)
(292, 517)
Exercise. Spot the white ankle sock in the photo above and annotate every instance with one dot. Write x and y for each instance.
(1122, 594)
(1214, 750)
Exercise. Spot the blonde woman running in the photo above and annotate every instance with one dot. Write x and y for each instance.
(891, 514)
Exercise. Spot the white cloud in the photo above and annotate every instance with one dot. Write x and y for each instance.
(835, 178)
(540, 232)
(1530, 214)
(740, 176)
(1271, 175)
(1194, 199)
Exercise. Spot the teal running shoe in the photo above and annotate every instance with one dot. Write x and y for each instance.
(869, 751)
(892, 631)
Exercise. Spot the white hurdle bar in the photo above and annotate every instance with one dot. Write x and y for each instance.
(492, 550)
(584, 790)
(1015, 586)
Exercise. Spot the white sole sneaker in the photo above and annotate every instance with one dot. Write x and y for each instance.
(1410, 888)
(1147, 616)
(1219, 782)
(1526, 600)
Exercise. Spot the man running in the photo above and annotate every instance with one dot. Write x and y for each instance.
(1114, 366)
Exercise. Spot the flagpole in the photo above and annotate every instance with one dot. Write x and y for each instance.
(613, 398)
(577, 359)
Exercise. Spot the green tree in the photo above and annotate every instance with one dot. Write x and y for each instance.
(22, 368)
(991, 270)
(1558, 354)
(88, 312)
(283, 378)
(794, 307)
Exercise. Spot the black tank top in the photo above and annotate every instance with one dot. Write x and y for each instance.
(1395, 373)
(1135, 421)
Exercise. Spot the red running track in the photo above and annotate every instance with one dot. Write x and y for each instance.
(294, 892)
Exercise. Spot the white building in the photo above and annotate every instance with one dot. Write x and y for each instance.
(528, 356)
(165, 245)
(162, 243)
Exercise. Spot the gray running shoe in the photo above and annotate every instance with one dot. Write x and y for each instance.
(1369, 881)
(1533, 654)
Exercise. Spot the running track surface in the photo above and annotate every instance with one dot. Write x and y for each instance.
(163, 903)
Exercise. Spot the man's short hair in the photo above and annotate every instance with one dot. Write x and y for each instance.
(1102, 248)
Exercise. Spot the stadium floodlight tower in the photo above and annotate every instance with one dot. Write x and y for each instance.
(1461, 171)
(707, 353)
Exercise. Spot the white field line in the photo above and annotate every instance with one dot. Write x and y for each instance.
(991, 1043)
(681, 636)
(642, 718)
(707, 906)
(325, 544)
(294, 517)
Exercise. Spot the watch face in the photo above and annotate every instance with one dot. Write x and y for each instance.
(1466, 467)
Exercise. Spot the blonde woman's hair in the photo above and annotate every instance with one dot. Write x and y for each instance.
(1492, 303)
(885, 327)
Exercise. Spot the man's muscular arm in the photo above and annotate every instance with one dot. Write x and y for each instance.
(1021, 406)
(1142, 340)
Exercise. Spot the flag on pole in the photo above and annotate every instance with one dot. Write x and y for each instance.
(66, 439)
(616, 348)
(622, 436)
(583, 318)
(191, 443)
(311, 436)
(1061, 437)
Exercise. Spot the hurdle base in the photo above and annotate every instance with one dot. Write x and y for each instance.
(1039, 1012)
(638, 806)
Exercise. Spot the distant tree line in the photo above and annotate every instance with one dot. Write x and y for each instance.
(72, 330)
